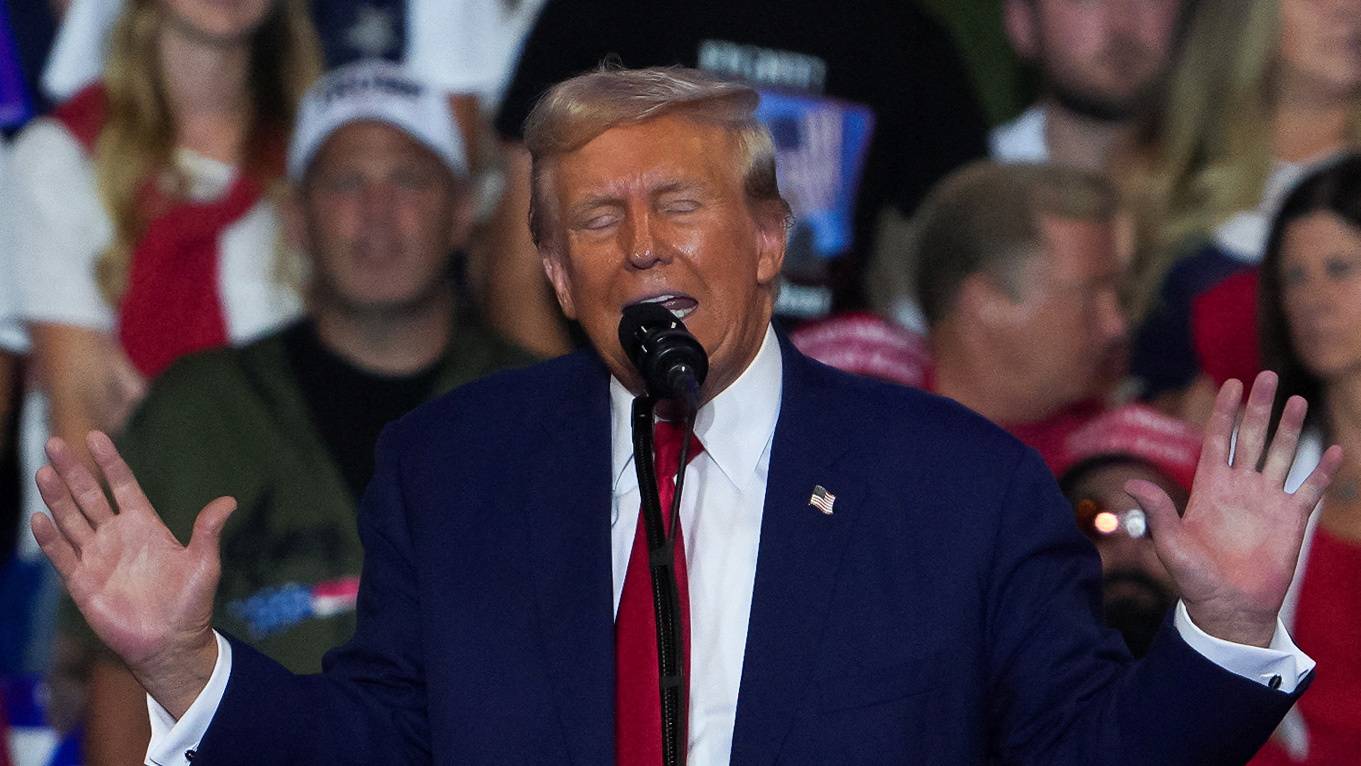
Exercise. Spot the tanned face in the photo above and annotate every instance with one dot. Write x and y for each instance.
(380, 213)
(1321, 294)
(1057, 337)
(657, 211)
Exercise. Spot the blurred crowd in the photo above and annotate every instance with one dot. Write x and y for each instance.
(240, 237)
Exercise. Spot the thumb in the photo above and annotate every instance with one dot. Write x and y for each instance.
(208, 527)
(1163, 522)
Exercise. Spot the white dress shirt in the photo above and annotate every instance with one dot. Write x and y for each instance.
(721, 509)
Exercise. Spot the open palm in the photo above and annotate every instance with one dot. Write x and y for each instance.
(147, 597)
(1234, 552)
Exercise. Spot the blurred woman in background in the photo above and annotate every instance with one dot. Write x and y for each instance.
(1310, 306)
(1260, 92)
(142, 219)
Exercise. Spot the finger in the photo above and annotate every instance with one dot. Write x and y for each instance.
(70, 522)
(1311, 491)
(89, 496)
(127, 493)
(54, 545)
(1281, 454)
(1256, 420)
(207, 533)
(1214, 451)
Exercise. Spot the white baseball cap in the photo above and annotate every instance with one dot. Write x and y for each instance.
(377, 90)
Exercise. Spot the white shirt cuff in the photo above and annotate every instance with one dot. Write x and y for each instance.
(173, 741)
(1279, 666)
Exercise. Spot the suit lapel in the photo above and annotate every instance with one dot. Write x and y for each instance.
(568, 512)
(796, 566)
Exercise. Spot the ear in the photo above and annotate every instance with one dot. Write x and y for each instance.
(772, 240)
(558, 276)
(983, 301)
(1022, 25)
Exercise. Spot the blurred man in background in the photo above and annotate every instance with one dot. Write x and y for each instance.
(1131, 442)
(1017, 275)
(1096, 61)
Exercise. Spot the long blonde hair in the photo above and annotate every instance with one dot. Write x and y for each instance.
(137, 141)
(1206, 150)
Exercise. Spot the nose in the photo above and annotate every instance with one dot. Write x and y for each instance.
(642, 243)
(373, 201)
(1114, 326)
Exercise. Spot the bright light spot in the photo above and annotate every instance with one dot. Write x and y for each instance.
(1106, 522)
(1135, 523)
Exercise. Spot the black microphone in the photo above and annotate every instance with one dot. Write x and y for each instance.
(673, 364)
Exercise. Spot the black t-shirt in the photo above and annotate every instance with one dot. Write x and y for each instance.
(351, 30)
(885, 55)
(349, 405)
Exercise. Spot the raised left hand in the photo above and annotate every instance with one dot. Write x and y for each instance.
(1233, 553)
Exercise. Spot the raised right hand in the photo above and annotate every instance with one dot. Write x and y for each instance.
(148, 598)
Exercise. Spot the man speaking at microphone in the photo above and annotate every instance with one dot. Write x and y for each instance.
(871, 574)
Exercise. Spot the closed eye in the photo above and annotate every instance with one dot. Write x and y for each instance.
(1292, 276)
(599, 222)
(1339, 267)
(681, 206)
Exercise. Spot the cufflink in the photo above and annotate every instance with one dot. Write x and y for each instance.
(822, 500)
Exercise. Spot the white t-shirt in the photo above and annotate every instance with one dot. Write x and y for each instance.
(13, 338)
(77, 55)
(468, 46)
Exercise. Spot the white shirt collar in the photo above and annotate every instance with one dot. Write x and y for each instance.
(735, 427)
(1023, 139)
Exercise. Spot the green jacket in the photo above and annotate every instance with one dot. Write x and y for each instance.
(234, 422)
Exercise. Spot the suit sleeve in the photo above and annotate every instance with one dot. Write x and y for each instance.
(368, 705)
(1064, 689)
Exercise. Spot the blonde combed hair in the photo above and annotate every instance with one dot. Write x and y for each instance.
(1206, 150)
(137, 142)
(575, 111)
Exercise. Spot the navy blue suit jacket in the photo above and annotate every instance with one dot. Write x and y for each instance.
(946, 613)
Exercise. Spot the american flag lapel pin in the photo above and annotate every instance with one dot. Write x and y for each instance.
(822, 500)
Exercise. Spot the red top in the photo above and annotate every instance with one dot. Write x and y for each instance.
(1328, 628)
(1224, 329)
(172, 305)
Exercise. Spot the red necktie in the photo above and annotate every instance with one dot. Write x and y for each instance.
(637, 691)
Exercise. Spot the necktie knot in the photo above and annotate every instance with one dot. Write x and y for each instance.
(666, 445)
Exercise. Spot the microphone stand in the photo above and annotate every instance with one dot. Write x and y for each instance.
(661, 565)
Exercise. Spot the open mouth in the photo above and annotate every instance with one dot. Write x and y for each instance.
(680, 306)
